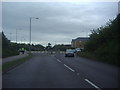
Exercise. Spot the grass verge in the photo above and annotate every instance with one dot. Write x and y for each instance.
(9, 65)
(102, 59)
(87, 55)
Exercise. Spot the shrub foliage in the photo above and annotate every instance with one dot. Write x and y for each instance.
(104, 42)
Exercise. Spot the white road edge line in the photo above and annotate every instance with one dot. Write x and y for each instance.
(92, 84)
(58, 60)
(69, 68)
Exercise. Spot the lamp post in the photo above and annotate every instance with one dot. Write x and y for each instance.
(17, 34)
(30, 32)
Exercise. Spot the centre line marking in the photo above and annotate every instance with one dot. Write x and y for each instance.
(69, 68)
(58, 60)
(92, 84)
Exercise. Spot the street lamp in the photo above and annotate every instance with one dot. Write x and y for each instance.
(17, 34)
(30, 31)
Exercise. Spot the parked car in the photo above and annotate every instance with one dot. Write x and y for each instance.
(74, 50)
(78, 50)
(69, 53)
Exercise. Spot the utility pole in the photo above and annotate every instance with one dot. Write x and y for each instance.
(30, 32)
(16, 35)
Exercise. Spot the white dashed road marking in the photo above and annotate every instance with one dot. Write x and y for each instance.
(58, 60)
(69, 68)
(92, 84)
(95, 86)
(78, 73)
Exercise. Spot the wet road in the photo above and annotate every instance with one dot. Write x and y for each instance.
(57, 71)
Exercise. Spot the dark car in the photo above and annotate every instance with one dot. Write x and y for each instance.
(69, 53)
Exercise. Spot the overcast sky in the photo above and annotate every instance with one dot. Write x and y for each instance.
(58, 22)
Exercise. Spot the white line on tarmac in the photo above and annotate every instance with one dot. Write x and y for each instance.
(59, 60)
(53, 55)
(69, 68)
(92, 84)
(78, 73)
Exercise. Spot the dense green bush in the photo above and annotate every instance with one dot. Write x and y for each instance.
(7, 48)
(104, 42)
(61, 47)
(11, 49)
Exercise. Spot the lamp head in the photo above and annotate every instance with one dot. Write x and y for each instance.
(36, 18)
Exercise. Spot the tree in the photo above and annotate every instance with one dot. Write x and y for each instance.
(61, 47)
(104, 42)
(49, 47)
(8, 48)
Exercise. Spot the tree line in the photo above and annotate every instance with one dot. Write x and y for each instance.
(104, 42)
(10, 48)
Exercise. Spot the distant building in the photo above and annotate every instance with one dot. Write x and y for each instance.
(79, 42)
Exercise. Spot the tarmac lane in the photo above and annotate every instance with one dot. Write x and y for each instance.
(43, 71)
(57, 71)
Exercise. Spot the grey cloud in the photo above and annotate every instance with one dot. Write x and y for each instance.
(59, 22)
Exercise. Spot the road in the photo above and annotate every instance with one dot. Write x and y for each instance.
(57, 71)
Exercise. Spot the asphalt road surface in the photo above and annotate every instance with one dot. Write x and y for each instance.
(57, 71)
